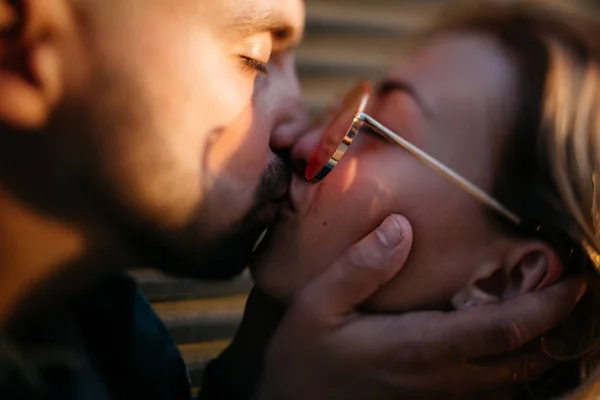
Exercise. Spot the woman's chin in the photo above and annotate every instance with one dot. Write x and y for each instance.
(281, 273)
(266, 271)
(272, 284)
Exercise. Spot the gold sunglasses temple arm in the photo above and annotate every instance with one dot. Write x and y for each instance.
(442, 169)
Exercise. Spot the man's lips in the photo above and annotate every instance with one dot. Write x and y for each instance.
(300, 194)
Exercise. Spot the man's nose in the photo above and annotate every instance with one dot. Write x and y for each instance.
(304, 149)
(292, 116)
(289, 130)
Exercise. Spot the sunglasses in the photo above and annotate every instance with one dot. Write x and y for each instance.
(347, 119)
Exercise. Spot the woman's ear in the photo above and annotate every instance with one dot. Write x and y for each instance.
(528, 266)
(30, 78)
(532, 265)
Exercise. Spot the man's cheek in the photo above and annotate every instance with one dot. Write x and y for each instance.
(226, 89)
(252, 164)
(229, 146)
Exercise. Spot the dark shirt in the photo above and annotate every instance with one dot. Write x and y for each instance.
(105, 344)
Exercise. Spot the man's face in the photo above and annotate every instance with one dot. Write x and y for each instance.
(181, 114)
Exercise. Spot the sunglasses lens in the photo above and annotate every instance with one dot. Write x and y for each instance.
(338, 122)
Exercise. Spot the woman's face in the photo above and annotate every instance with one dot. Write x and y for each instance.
(459, 111)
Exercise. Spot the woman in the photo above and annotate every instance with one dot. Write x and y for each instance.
(487, 139)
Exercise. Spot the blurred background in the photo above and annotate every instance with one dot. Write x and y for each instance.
(345, 40)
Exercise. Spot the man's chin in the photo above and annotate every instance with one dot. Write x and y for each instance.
(192, 252)
(212, 265)
(212, 271)
(222, 258)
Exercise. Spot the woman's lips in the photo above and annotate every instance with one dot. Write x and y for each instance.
(301, 194)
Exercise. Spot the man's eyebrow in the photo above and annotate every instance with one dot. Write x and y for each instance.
(392, 85)
(252, 21)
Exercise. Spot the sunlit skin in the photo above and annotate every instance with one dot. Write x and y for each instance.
(146, 132)
(153, 132)
(460, 113)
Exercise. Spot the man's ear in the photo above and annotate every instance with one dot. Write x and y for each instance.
(528, 266)
(8, 16)
(30, 76)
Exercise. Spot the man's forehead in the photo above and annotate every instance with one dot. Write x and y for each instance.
(268, 15)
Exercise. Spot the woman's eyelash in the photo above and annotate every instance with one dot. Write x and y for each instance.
(254, 65)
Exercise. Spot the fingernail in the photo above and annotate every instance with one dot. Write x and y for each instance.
(582, 291)
(391, 232)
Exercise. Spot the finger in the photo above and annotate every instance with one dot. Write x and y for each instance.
(358, 273)
(465, 378)
(522, 368)
(502, 328)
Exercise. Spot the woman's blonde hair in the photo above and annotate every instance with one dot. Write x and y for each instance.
(550, 165)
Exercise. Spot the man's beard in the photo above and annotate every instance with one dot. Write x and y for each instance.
(193, 252)
(221, 258)
(185, 254)
(227, 254)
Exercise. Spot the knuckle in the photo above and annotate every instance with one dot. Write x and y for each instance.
(509, 333)
(303, 313)
(303, 304)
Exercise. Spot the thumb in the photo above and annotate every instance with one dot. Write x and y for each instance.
(360, 271)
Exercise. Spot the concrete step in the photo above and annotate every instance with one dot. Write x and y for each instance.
(159, 287)
(198, 355)
(199, 320)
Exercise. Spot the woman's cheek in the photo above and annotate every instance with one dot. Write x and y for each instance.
(356, 200)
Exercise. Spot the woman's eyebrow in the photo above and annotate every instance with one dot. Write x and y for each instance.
(392, 85)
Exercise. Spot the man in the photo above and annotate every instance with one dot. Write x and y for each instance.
(155, 132)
